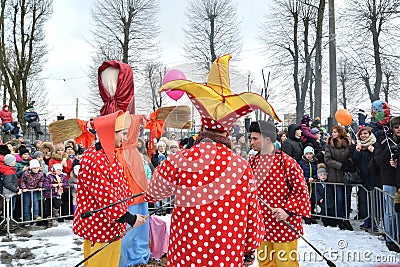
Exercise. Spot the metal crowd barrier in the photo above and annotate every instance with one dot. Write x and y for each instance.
(384, 216)
(12, 220)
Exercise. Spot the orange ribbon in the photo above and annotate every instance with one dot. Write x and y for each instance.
(86, 138)
(156, 128)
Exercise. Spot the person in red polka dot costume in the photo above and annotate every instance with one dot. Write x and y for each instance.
(102, 182)
(216, 220)
(281, 184)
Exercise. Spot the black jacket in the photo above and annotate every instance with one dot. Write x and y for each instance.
(293, 146)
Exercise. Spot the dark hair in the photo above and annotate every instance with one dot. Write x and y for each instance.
(266, 129)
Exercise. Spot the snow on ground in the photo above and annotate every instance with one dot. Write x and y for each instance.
(57, 246)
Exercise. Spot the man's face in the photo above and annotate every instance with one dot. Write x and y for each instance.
(257, 141)
(396, 129)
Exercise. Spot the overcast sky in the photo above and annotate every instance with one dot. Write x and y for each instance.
(69, 54)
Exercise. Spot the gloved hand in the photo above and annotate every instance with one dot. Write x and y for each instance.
(127, 218)
(397, 201)
(348, 166)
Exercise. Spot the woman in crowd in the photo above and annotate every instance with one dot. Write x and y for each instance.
(363, 160)
(338, 153)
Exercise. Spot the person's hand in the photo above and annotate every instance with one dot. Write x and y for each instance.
(397, 201)
(140, 220)
(321, 200)
(19, 192)
(55, 185)
(393, 163)
(279, 214)
(358, 147)
(25, 168)
(24, 190)
(371, 149)
(311, 179)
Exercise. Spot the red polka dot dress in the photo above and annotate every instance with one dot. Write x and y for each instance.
(281, 184)
(216, 216)
(100, 184)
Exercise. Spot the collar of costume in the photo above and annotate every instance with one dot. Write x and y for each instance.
(212, 137)
(214, 100)
(105, 128)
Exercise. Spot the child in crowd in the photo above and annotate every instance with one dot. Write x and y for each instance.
(54, 185)
(22, 159)
(10, 181)
(40, 157)
(309, 164)
(325, 197)
(31, 183)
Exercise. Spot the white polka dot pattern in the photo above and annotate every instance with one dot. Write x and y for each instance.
(273, 189)
(217, 232)
(100, 184)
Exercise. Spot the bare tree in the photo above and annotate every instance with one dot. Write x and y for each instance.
(22, 50)
(289, 35)
(124, 30)
(374, 39)
(212, 30)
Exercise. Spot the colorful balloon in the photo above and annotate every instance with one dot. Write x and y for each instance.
(344, 117)
(171, 75)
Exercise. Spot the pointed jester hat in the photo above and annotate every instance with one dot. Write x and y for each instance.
(218, 107)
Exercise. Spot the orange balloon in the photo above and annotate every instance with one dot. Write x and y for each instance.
(344, 117)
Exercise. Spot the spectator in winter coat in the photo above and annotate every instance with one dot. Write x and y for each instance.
(10, 181)
(31, 182)
(32, 118)
(325, 197)
(317, 145)
(293, 145)
(363, 160)
(54, 185)
(388, 161)
(309, 165)
(23, 158)
(6, 119)
(338, 153)
(48, 149)
(305, 125)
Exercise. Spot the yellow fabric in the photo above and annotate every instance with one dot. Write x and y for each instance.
(123, 121)
(216, 97)
(277, 254)
(108, 257)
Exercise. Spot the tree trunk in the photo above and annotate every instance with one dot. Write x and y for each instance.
(318, 61)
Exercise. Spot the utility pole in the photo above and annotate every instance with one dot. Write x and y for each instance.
(332, 65)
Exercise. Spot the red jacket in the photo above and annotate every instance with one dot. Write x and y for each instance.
(216, 216)
(100, 184)
(281, 184)
(6, 116)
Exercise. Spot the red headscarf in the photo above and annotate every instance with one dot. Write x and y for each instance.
(124, 91)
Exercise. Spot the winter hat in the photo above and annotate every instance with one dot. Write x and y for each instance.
(238, 136)
(22, 150)
(305, 119)
(308, 149)
(4, 150)
(314, 131)
(37, 154)
(321, 169)
(161, 143)
(56, 166)
(18, 136)
(173, 143)
(34, 163)
(9, 159)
